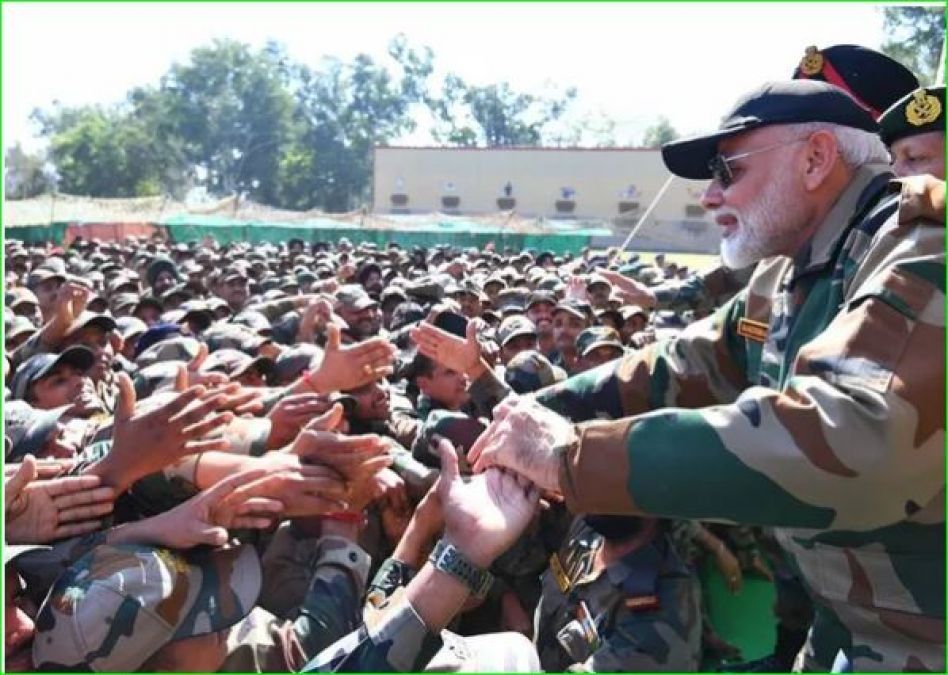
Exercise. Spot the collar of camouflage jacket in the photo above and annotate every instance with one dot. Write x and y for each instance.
(822, 248)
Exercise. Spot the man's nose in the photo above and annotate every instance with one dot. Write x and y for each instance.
(713, 196)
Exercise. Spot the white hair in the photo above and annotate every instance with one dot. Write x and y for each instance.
(856, 147)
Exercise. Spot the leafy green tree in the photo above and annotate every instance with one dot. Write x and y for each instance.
(659, 133)
(232, 111)
(915, 37)
(25, 175)
(102, 152)
(494, 115)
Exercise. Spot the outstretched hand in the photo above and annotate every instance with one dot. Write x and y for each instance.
(237, 502)
(631, 291)
(352, 366)
(485, 514)
(459, 354)
(146, 442)
(41, 511)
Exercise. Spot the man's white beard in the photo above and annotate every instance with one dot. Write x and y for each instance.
(768, 227)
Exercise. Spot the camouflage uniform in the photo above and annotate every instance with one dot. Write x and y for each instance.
(395, 639)
(701, 292)
(640, 613)
(114, 608)
(326, 578)
(841, 444)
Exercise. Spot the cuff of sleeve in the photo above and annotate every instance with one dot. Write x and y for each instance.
(594, 469)
(347, 555)
(412, 644)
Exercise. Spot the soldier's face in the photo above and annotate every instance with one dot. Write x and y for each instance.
(922, 153)
(541, 314)
(60, 387)
(763, 210)
(565, 329)
(514, 346)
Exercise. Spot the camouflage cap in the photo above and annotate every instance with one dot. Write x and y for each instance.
(178, 348)
(551, 282)
(118, 605)
(354, 298)
(514, 326)
(235, 363)
(19, 326)
(596, 337)
(40, 365)
(103, 321)
(426, 289)
(41, 274)
(28, 428)
(540, 297)
(121, 301)
(291, 362)
(460, 429)
(407, 313)
(597, 280)
(129, 326)
(233, 336)
(578, 308)
(529, 371)
(20, 296)
(253, 320)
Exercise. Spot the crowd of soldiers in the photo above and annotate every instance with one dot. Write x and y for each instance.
(332, 456)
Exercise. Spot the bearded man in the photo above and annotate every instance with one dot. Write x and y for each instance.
(812, 402)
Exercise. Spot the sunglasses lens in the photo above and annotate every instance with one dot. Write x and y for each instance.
(720, 171)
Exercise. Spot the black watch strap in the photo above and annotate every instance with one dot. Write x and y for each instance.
(448, 559)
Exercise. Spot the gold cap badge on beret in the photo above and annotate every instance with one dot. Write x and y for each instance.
(812, 61)
(922, 109)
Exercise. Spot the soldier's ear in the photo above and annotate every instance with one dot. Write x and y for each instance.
(820, 158)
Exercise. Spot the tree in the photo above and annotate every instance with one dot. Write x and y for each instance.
(26, 175)
(344, 110)
(232, 111)
(659, 133)
(494, 115)
(102, 152)
(915, 37)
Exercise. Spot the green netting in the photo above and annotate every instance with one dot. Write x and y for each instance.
(405, 231)
(37, 234)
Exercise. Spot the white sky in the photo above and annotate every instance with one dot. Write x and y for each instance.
(631, 62)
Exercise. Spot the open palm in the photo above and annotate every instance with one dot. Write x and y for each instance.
(486, 513)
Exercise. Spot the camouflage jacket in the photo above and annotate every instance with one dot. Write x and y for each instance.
(638, 614)
(396, 641)
(813, 401)
(263, 643)
(703, 291)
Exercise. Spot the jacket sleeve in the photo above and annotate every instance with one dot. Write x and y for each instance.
(397, 641)
(853, 440)
(703, 365)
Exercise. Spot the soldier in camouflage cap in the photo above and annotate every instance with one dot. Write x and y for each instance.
(119, 605)
(462, 430)
(179, 348)
(530, 371)
(514, 335)
(359, 311)
(597, 345)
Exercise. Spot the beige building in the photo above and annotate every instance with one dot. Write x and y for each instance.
(611, 185)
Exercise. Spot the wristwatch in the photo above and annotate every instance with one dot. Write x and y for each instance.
(448, 559)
